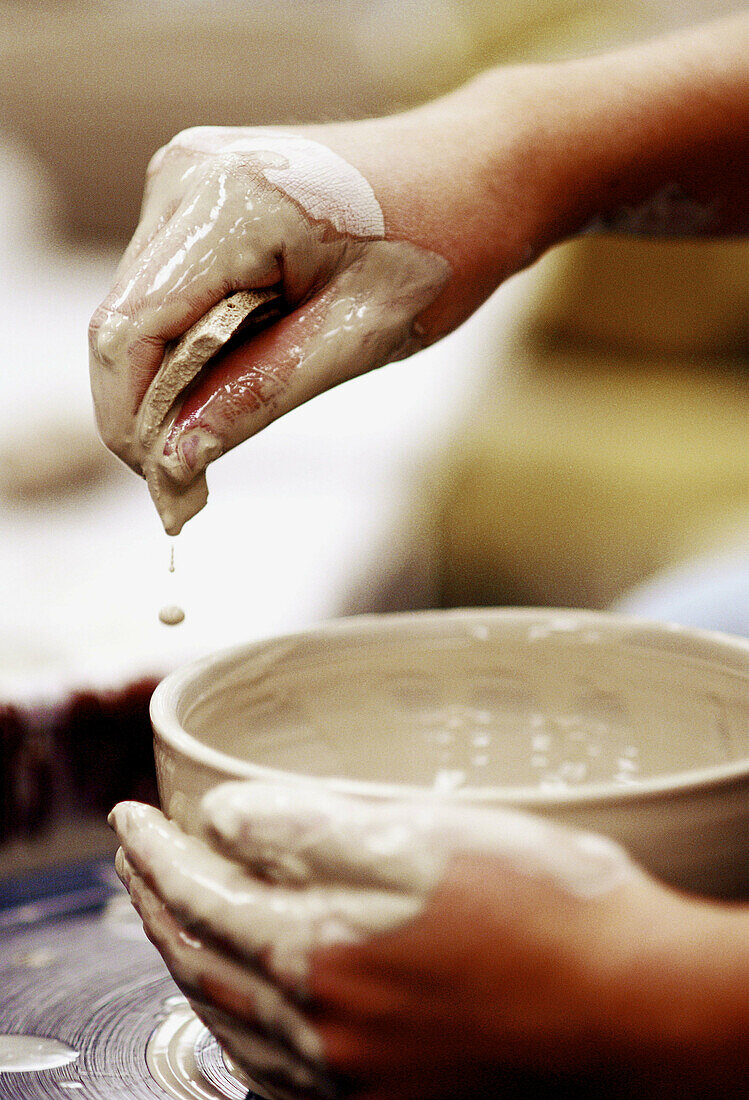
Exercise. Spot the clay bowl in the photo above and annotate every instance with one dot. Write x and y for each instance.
(633, 729)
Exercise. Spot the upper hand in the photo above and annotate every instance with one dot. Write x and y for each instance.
(378, 236)
(226, 210)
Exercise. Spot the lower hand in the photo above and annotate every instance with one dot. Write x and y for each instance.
(406, 949)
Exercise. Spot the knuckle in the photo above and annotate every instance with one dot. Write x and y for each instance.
(95, 325)
(156, 162)
(194, 139)
(108, 435)
(108, 333)
(191, 136)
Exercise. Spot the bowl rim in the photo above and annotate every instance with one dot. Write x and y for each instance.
(168, 730)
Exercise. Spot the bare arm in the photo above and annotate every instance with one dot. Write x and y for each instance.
(668, 116)
(382, 236)
(650, 140)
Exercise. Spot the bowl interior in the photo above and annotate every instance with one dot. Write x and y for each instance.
(470, 701)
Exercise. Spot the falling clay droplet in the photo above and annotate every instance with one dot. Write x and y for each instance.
(171, 615)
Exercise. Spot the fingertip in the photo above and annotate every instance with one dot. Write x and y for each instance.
(119, 815)
(187, 453)
(122, 867)
(175, 503)
(132, 821)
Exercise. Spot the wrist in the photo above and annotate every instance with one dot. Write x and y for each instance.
(681, 989)
(492, 193)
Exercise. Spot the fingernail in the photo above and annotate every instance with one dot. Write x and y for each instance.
(121, 867)
(189, 454)
(118, 815)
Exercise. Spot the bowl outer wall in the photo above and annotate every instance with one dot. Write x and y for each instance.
(690, 829)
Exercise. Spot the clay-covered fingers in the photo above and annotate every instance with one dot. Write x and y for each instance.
(260, 1028)
(269, 1063)
(362, 318)
(246, 210)
(303, 834)
(195, 255)
(224, 210)
(306, 834)
(274, 928)
(209, 975)
(167, 178)
(172, 171)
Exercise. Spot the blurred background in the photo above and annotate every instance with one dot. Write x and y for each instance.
(582, 441)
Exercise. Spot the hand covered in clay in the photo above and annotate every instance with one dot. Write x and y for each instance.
(232, 210)
(373, 238)
(365, 241)
(412, 949)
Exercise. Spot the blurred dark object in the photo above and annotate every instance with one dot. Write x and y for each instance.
(106, 742)
(26, 771)
(74, 761)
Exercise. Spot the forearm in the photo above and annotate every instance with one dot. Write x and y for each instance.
(709, 1012)
(653, 139)
(405, 225)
